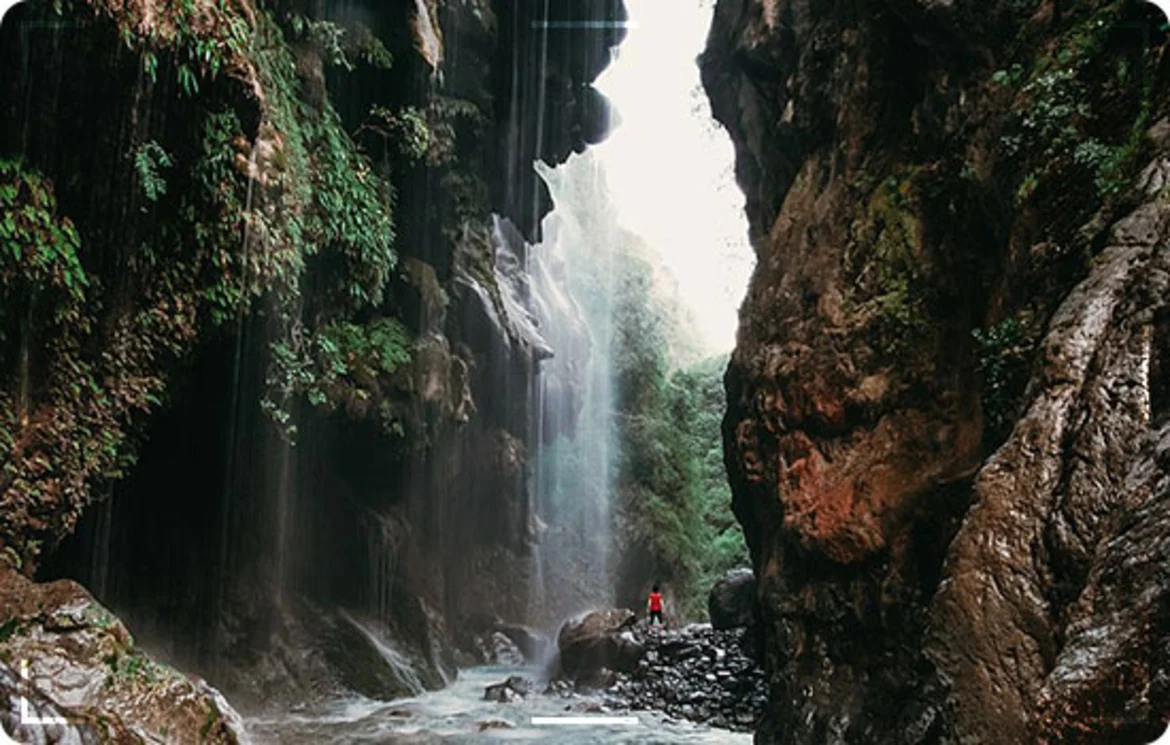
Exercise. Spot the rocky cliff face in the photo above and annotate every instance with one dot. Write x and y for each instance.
(255, 272)
(948, 361)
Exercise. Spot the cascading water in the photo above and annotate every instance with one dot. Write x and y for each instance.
(398, 663)
(566, 301)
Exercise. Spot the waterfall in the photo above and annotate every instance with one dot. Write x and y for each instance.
(398, 663)
(559, 296)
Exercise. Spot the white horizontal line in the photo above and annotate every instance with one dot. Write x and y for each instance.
(628, 721)
(584, 24)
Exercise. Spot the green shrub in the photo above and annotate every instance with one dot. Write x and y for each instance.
(1003, 353)
(150, 160)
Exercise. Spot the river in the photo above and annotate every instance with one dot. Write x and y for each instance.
(458, 714)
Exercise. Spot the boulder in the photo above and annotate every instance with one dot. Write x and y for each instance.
(488, 724)
(514, 688)
(82, 666)
(596, 640)
(732, 602)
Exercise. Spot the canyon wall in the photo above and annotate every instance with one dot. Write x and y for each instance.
(946, 414)
(259, 362)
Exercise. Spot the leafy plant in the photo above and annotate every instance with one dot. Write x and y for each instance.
(39, 252)
(338, 45)
(343, 362)
(200, 40)
(1009, 77)
(1003, 355)
(374, 53)
(443, 116)
(407, 128)
(1052, 136)
(149, 160)
(187, 80)
(327, 36)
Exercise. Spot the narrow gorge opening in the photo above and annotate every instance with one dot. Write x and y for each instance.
(348, 352)
(628, 480)
(413, 352)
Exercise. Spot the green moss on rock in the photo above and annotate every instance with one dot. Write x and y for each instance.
(886, 260)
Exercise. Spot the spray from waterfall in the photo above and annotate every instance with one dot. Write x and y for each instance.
(565, 304)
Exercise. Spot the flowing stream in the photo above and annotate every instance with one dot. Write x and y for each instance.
(459, 714)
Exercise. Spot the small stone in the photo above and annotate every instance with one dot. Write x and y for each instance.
(487, 724)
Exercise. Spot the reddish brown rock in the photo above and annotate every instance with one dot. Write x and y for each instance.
(949, 309)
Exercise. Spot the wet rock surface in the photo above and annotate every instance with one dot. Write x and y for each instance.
(501, 650)
(1113, 673)
(532, 644)
(515, 687)
(488, 640)
(82, 667)
(950, 355)
(596, 642)
(732, 602)
(1022, 568)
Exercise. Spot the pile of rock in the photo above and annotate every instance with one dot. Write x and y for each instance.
(697, 673)
(702, 672)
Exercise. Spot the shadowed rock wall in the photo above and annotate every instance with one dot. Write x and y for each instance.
(946, 363)
(405, 497)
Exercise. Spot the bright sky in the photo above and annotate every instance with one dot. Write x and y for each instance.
(671, 170)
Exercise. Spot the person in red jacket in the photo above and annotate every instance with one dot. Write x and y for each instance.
(654, 605)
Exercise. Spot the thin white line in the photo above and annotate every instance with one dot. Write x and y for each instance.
(627, 721)
(25, 717)
(584, 24)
